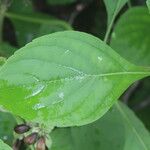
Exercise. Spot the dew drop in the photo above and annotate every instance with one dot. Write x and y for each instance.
(36, 91)
(100, 58)
(66, 51)
(56, 102)
(79, 77)
(61, 95)
(35, 78)
(38, 106)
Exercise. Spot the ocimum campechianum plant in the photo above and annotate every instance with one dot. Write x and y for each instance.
(67, 79)
(69, 86)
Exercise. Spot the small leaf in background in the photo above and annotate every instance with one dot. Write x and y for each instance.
(25, 5)
(113, 7)
(35, 26)
(118, 129)
(30, 24)
(7, 123)
(148, 4)
(60, 2)
(131, 36)
(62, 137)
(6, 50)
(53, 79)
(4, 146)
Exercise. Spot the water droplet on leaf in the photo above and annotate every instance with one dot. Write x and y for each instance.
(38, 106)
(61, 95)
(100, 58)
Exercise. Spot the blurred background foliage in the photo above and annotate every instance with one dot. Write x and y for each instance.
(24, 20)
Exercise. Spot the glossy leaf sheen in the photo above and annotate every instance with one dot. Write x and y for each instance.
(4, 146)
(113, 7)
(131, 37)
(65, 79)
(101, 135)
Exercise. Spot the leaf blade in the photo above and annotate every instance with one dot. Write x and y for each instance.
(127, 41)
(34, 24)
(54, 81)
(102, 133)
(4, 146)
(130, 118)
(113, 7)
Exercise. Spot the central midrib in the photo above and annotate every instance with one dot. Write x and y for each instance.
(93, 76)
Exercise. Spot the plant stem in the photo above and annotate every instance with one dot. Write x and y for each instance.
(109, 29)
(111, 24)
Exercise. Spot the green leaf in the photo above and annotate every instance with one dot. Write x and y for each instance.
(25, 5)
(118, 129)
(139, 132)
(3, 146)
(148, 4)
(65, 79)
(62, 137)
(30, 26)
(7, 123)
(113, 7)
(131, 37)
(60, 2)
